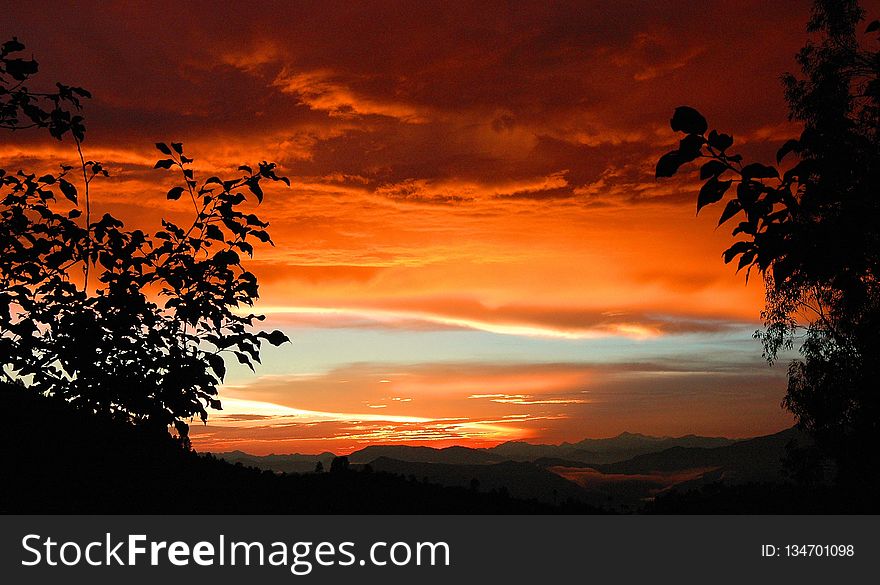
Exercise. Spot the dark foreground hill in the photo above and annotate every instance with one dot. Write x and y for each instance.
(57, 460)
(520, 479)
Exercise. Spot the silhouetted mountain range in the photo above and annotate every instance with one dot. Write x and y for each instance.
(589, 451)
(755, 459)
(621, 472)
(450, 455)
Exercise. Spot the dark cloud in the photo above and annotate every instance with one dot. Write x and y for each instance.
(404, 91)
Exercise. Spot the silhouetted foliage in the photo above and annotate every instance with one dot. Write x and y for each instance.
(812, 230)
(21, 108)
(118, 322)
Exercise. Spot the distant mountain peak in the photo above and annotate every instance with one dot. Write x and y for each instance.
(629, 435)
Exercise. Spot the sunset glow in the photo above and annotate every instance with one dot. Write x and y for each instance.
(474, 248)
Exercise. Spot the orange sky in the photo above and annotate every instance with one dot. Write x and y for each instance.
(474, 248)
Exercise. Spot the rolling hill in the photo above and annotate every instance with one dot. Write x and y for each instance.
(607, 450)
(758, 459)
(520, 480)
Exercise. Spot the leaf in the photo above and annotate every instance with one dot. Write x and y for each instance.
(175, 193)
(165, 163)
(668, 164)
(163, 148)
(254, 186)
(261, 235)
(276, 337)
(20, 69)
(254, 220)
(217, 364)
(13, 46)
(226, 257)
(790, 146)
(213, 232)
(246, 169)
(732, 208)
(177, 146)
(690, 147)
(688, 120)
(872, 26)
(759, 171)
(712, 192)
(720, 142)
(68, 189)
(736, 249)
(746, 259)
(77, 128)
(246, 248)
(109, 221)
(748, 192)
(713, 168)
(740, 229)
(81, 92)
(106, 260)
(244, 360)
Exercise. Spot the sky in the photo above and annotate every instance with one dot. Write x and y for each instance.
(474, 248)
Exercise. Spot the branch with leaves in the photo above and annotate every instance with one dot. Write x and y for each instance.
(811, 227)
(112, 348)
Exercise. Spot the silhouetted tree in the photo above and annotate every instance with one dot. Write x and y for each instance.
(116, 321)
(813, 233)
(319, 467)
(339, 464)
